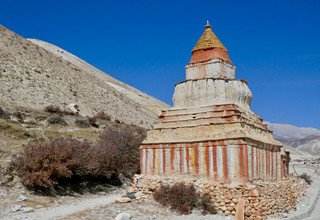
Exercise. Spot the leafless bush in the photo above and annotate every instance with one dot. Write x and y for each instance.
(124, 143)
(56, 110)
(306, 177)
(53, 166)
(53, 109)
(55, 119)
(4, 114)
(183, 198)
(100, 115)
(43, 166)
(82, 123)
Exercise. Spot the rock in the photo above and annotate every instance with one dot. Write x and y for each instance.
(123, 216)
(17, 208)
(139, 195)
(123, 200)
(131, 195)
(235, 201)
(74, 108)
(27, 209)
(22, 198)
(131, 190)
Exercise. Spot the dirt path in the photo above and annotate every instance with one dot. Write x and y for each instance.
(65, 210)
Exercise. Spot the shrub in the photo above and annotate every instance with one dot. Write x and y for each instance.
(55, 119)
(206, 205)
(44, 166)
(74, 164)
(100, 115)
(306, 177)
(183, 198)
(124, 143)
(56, 110)
(82, 123)
(18, 115)
(53, 109)
(4, 114)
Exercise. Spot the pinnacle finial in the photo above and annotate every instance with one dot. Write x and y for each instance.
(208, 25)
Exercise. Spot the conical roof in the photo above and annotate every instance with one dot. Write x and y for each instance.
(209, 47)
(208, 40)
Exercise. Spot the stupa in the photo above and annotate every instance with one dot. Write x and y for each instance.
(211, 131)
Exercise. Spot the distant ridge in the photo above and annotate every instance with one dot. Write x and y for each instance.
(300, 141)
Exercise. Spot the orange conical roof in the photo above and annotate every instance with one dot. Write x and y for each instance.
(209, 47)
(208, 40)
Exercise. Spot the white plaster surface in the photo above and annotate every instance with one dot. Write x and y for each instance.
(212, 69)
(206, 92)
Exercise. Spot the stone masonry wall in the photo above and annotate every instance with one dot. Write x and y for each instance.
(262, 199)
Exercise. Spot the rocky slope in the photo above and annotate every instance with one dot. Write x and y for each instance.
(35, 74)
(301, 142)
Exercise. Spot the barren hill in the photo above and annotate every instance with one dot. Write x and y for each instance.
(301, 142)
(35, 74)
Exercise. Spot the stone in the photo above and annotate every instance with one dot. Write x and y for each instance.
(28, 209)
(123, 200)
(131, 195)
(235, 200)
(139, 194)
(22, 198)
(17, 208)
(123, 216)
(240, 209)
(131, 190)
(229, 208)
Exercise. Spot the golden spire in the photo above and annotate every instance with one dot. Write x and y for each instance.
(208, 40)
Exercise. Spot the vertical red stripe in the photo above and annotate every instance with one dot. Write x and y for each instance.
(196, 158)
(241, 160)
(181, 158)
(245, 162)
(225, 163)
(252, 161)
(214, 161)
(141, 160)
(258, 162)
(154, 159)
(206, 157)
(267, 161)
(277, 161)
(146, 166)
(188, 157)
(272, 166)
(172, 154)
(164, 158)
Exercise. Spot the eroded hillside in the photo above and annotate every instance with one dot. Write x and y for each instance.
(32, 77)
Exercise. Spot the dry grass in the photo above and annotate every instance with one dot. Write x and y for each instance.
(14, 129)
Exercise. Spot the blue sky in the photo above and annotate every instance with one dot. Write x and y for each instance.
(274, 44)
